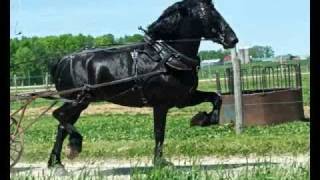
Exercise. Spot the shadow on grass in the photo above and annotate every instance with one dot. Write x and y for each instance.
(305, 120)
(145, 169)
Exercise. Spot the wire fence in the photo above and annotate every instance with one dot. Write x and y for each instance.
(261, 78)
(44, 81)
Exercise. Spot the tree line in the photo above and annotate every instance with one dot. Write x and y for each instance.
(31, 55)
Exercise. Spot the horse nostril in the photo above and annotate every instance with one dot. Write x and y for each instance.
(234, 40)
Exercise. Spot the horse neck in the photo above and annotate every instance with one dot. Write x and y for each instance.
(189, 49)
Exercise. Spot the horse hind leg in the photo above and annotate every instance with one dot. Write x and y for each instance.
(203, 118)
(67, 115)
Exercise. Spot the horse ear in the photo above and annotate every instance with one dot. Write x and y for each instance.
(205, 1)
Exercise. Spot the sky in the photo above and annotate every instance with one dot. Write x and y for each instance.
(282, 24)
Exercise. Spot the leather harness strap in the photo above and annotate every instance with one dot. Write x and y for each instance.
(165, 51)
(138, 81)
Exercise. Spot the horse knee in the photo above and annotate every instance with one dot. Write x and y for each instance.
(58, 114)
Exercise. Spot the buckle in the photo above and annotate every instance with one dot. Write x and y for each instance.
(197, 68)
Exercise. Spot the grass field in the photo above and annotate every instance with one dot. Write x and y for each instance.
(260, 170)
(105, 134)
(130, 135)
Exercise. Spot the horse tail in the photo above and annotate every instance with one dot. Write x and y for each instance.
(53, 68)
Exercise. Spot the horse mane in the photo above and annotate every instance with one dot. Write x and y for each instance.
(168, 23)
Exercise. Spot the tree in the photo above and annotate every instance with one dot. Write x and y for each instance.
(134, 38)
(105, 40)
(219, 54)
(269, 52)
(22, 57)
(34, 54)
(261, 52)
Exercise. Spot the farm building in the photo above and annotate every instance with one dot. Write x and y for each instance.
(287, 57)
(210, 62)
(227, 59)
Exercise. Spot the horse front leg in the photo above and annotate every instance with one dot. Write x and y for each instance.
(159, 117)
(203, 118)
(67, 115)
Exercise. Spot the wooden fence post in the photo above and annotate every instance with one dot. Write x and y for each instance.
(46, 80)
(237, 91)
(218, 82)
(209, 72)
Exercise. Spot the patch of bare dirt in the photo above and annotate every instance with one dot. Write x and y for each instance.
(109, 108)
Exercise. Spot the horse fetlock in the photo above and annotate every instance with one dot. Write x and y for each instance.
(205, 119)
(75, 142)
(54, 161)
(200, 119)
(59, 170)
(161, 162)
(72, 152)
(74, 147)
(214, 116)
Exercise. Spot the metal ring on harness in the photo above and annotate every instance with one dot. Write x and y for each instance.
(138, 81)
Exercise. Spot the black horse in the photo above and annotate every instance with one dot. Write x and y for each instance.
(165, 73)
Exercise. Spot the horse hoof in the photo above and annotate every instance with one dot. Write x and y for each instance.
(71, 152)
(162, 163)
(59, 170)
(214, 118)
(200, 119)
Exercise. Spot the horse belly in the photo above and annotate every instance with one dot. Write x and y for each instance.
(125, 94)
(170, 90)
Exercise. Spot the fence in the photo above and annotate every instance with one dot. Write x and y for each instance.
(208, 72)
(30, 82)
(261, 78)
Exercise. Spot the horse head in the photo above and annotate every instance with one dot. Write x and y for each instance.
(193, 19)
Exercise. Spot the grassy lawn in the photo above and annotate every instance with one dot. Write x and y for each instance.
(258, 171)
(131, 135)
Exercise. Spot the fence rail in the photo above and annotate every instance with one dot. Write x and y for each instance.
(261, 78)
(21, 83)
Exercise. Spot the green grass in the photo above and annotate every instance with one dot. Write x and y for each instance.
(129, 135)
(260, 170)
(306, 89)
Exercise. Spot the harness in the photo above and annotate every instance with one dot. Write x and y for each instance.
(169, 59)
(169, 56)
(138, 81)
